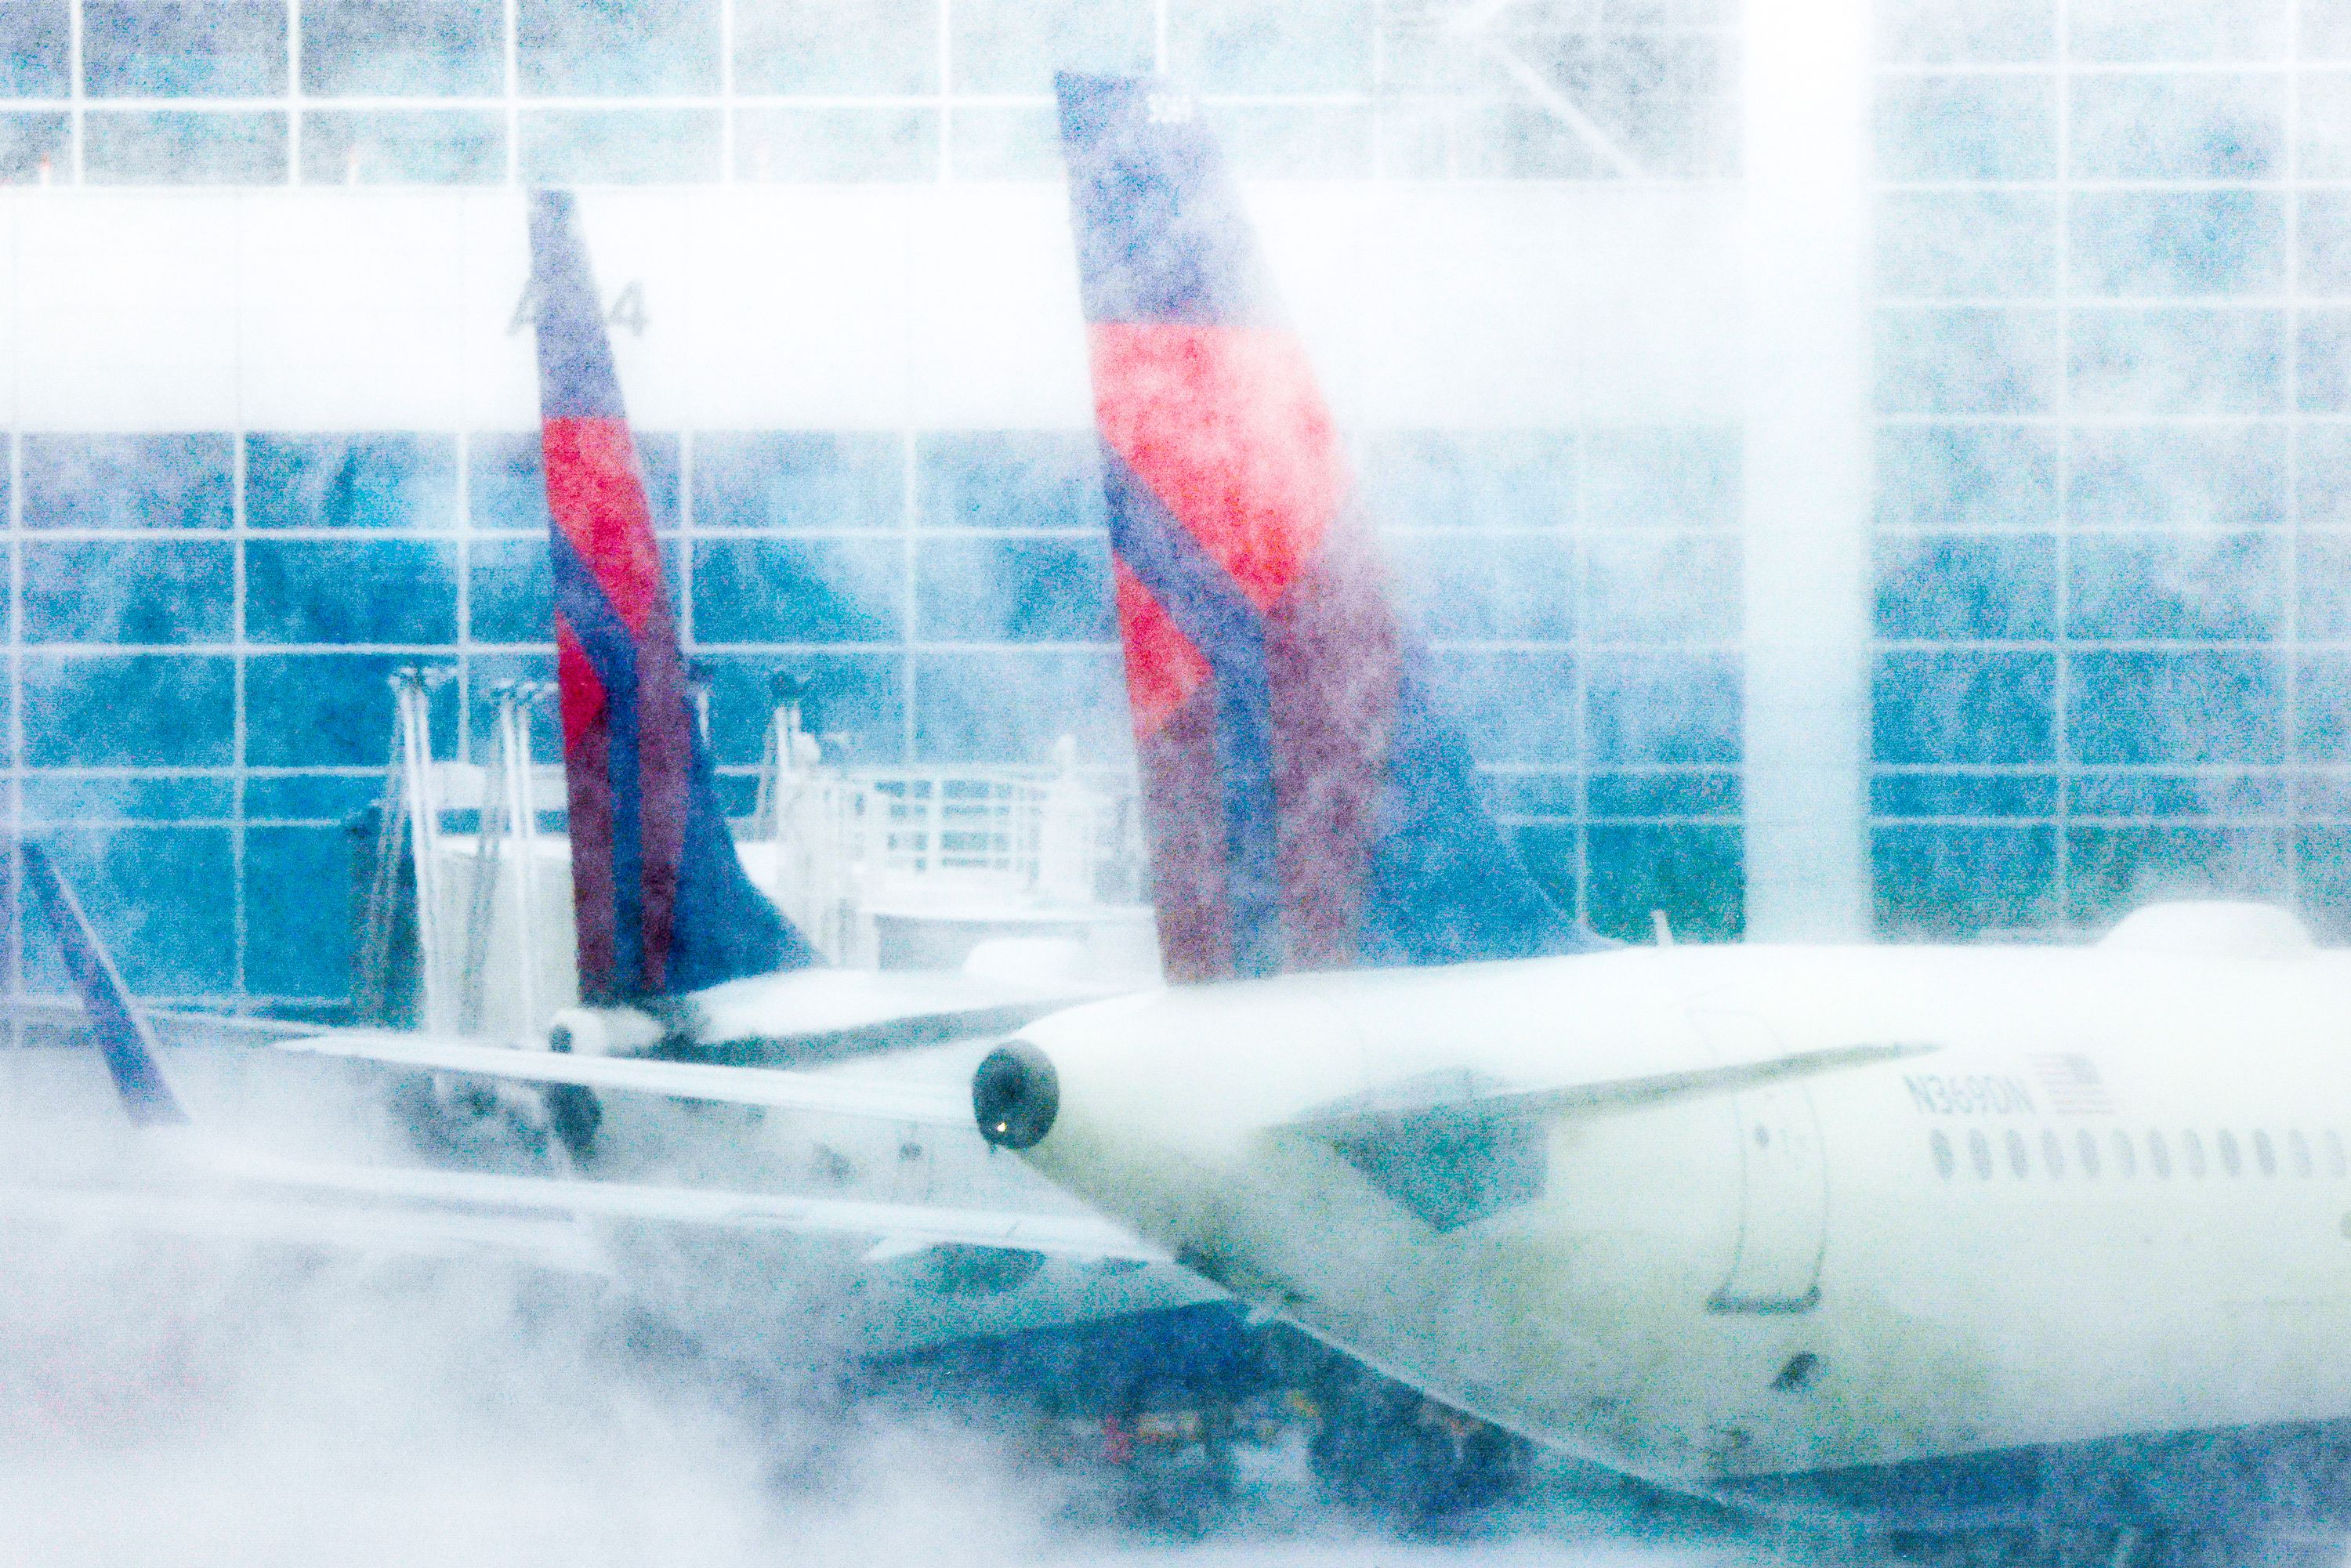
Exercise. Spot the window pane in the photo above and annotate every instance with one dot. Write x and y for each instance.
(1685, 476)
(620, 147)
(371, 481)
(130, 590)
(505, 478)
(1967, 476)
(2125, 30)
(586, 48)
(34, 147)
(136, 710)
(181, 49)
(992, 142)
(1962, 707)
(1698, 875)
(2325, 242)
(2324, 613)
(126, 481)
(1470, 479)
(35, 34)
(2000, 587)
(837, 46)
(297, 910)
(2323, 361)
(798, 479)
(1011, 707)
(1945, 243)
(391, 148)
(65, 796)
(1015, 591)
(2112, 870)
(2322, 699)
(331, 710)
(2178, 362)
(2184, 127)
(1940, 32)
(163, 901)
(1008, 479)
(2200, 242)
(2205, 706)
(1966, 361)
(1516, 588)
(1661, 587)
(335, 590)
(836, 144)
(510, 593)
(1967, 128)
(174, 147)
(1016, 45)
(1663, 708)
(2324, 123)
(1936, 794)
(2190, 586)
(403, 46)
(2178, 477)
(1513, 705)
(1956, 883)
(1306, 46)
(799, 591)
(855, 704)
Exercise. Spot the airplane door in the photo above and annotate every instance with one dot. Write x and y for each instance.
(1783, 1180)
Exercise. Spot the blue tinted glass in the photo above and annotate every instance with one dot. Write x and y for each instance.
(2000, 586)
(1948, 243)
(333, 590)
(506, 479)
(1470, 479)
(2112, 870)
(1966, 361)
(1008, 479)
(2196, 585)
(854, 704)
(139, 710)
(2204, 794)
(33, 147)
(2323, 237)
(798, 479)
(1507, 705)
(1016, 590)
(2323, 881)
(1662, 587)
(1954, 883)
(2204, 706)
(1696, 875)
(1515, 589)
(1967, 476)
(2324, 563)
(171, 49)
(130, 590)
(399, 48)
(2178, 361)
(2199, 126)
(1012, 707)
(35, 33)
(127, 481)
(823, 145)
(1307, 46)
(799, 591)
(330, 710)
(2177, 475)
(2323, 362)
(1663, 794)
(174, 147)
(619, 146)
(2157, 30)
(2178, 242)
(1663, 708)
(380, 481)
(887, 46)
(388, 147)
(1963, 707)
(297, 910)
(1686, 477)
(64, 797)
(998, 142)
(1016, 45)
(510, 593)
(1962, 794)
(590, 47)
(2323, 705)
(1967, 128)
(1945, 32)
(329, 797)
(163, 901)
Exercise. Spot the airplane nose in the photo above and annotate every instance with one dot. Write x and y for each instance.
(1015, 1095)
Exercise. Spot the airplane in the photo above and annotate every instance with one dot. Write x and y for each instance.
(2043, 1251)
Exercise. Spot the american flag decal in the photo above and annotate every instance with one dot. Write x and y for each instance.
(2073, 1085)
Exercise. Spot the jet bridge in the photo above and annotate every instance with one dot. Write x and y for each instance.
(464, 914)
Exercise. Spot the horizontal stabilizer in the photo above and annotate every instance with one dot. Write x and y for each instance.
(932, 1105)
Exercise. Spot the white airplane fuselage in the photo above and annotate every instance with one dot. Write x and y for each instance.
(2110, 1200)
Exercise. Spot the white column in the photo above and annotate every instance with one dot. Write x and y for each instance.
(1807, 470)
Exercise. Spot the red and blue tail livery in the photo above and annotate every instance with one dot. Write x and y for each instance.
(1308, 806)
(663, 906)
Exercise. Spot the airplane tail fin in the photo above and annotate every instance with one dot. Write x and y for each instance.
(124, 1040)
(663, 906)
(1308, 806)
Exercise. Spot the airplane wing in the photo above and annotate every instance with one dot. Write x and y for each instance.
(889, 1100)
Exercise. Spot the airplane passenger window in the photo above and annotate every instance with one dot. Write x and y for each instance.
(2158, 1157)
(2265, 1154)
(1944, 1162)
(1979, 1154)
(2053, 1152)
(2230, 1161)
(2192, 1152)
(2019, 1161)
(2297, 1149)
(2126, 1156)
(2085, 1151)
(2334, 1153)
